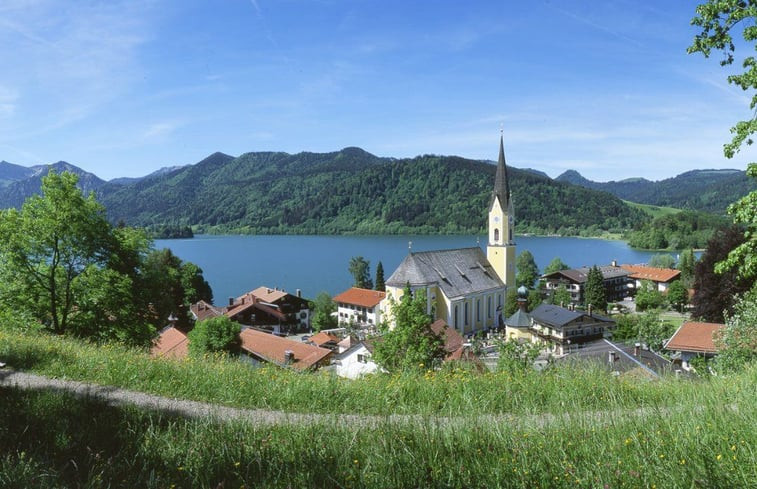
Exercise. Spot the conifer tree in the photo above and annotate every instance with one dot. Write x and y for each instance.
(594, 291)
(380, 285)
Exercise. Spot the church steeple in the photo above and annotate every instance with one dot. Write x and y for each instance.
(501, 185)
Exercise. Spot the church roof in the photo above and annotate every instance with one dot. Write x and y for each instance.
(458, 272)
(501, 185)
(521, 319)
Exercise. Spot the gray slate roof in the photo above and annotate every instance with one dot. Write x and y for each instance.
(557, 316)
(579, 275)
(520, 319)
(458, 272)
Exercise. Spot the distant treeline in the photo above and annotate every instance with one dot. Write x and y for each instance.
(683, 230)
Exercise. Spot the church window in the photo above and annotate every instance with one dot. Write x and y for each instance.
(489, 307)
(496, 234)
(456, 315)
(465, 313)
(478, 310)
(511, 234)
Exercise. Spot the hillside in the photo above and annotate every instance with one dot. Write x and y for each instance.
(352, 191)
(15, 192)
(703, 190)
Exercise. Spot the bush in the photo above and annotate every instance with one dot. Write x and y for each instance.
(214, 335)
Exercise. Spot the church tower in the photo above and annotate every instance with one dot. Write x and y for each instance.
(500, 250)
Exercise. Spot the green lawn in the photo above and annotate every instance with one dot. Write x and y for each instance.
(653, 210)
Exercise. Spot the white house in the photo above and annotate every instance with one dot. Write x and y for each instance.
(356, 361)
(359, 306)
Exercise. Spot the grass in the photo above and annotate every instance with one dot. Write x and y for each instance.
(450, 392)
(51, 439)
(654, 210)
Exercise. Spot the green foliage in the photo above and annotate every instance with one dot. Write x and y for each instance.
(687, 266)
(323, 307)
(380, 282)
(654, 331)
(662, 260)
(353, 192)
(535, 298)
(516, 356)
(738, 342)
(648, 297)
(360, 269)
(688, 229)
(168, 231)
(527, 271)
(678, 295)
(555, 266)
(716, 292)
(560, 295)
(743, 258)
(411, 344)
(218, 334)
(594, 290)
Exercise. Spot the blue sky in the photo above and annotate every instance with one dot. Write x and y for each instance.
(124, 87)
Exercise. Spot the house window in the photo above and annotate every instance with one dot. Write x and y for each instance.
(362, 358)
(370, 310)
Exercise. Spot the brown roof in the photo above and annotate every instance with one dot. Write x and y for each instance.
(202, 310)
(453, 341)
(267, 294)
(172, 342)
(272, 349)
(695, 337)
(249, 300)
(360, 297)
(641, 272)
(322, 338)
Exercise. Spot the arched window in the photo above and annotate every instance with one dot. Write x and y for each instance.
(496, 234)
(511, 234)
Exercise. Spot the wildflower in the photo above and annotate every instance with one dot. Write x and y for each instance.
(662, 455)
(719, 456)
(236, 464)
(733, 448)
(355, 462)
(628, 441)
(682, 462)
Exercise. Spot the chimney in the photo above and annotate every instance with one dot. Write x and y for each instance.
(611, 357)
(288, 356)
(614, 263)
(589, 308)
(562, 304)
(172, 320)
(231, 301)
(636, 349)
(299, 293)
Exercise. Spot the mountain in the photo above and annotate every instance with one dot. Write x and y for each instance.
(352, 191)
(156, 173)
(14, 194)
(10, 173)
(703, 190)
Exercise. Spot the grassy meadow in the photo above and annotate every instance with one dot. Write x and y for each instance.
(693, 433)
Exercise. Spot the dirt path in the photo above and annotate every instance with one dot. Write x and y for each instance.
(260, 417)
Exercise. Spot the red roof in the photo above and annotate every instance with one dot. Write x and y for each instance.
(453, 341)
(171, 342)
(272, 349)
(360, 297)
(202, 310)
(641, 272)
(695, 337)
(322, 338)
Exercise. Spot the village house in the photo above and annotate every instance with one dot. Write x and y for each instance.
(465, 287)
(359, 307)
(355, 361)
(692, 340)
(324, 340)
(263, 307)
(261, 347)
(172, 342)
(616, 281)
(563, 330)
(660, 277)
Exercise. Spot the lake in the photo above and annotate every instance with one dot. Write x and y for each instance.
(236, 264)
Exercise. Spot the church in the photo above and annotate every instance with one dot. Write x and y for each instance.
(465, 287)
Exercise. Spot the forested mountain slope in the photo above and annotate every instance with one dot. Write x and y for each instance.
(352, 191)
(703, 190)
(14, 194)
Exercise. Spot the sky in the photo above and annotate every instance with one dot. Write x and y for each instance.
(125, 87)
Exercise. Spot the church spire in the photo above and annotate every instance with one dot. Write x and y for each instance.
(501, 185)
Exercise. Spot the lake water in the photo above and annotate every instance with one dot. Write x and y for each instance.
(236, 264)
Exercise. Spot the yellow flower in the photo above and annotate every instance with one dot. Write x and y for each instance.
(719, 456)
(236, 464)
(682, 462)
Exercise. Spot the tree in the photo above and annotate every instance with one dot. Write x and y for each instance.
(411, 345)
(534, 299)
(560, 296)
(323, 307)
(653, 331)
(212, 335)
(718, 20)
(648, 297)
(48, 244)
(380, 284)
(527, 270)
(594, 290)
(686, 265)
(662, 260)
(738, 341)
(511, 302)
(555, 266)
(678, 296)
(360, 269)
(716, 292)
(516, 356)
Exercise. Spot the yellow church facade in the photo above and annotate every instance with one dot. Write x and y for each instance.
(465, 287)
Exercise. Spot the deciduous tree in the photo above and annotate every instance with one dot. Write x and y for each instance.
(360, 269)
(555, 266)
(738, 341)
(662, 260)
(527, 271)
(212, 335)
(322, 317)
(648, 297)
(678, 296)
